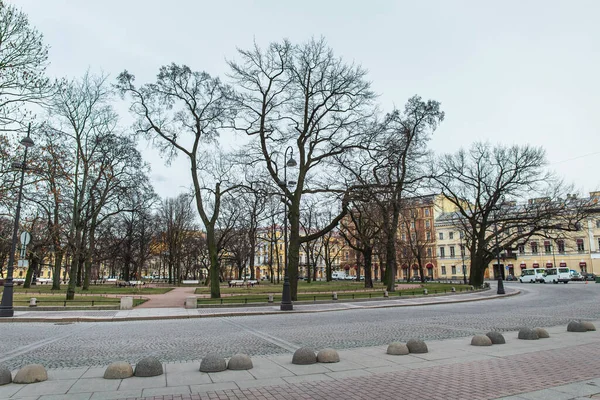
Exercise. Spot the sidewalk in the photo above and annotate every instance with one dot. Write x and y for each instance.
(140, 313)
(565, 366)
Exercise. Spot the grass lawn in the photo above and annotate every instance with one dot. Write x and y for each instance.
(59, 301)
(321, 291)
(94, 289)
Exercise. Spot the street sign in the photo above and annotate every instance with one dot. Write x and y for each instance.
(23, 263)
(25, 238)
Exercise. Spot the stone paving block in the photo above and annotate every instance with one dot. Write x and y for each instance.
(307, 369)
(173, 390)
(94, 372)
(88, 385)
(265, 368)
(230, 376)
(579, 389)
(386, 369)
(136, 382)
(66, 373)
(212, 387)
(343, 365)
(307, 378)
(74, 396)
(47, 387)
(10, 389)
(348, 374)
(25, 398)
(261, 383)
(114, 395)
(367, 361)
(547, 394)
(187, 378)
(182, 367)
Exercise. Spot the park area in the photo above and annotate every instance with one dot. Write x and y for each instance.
(322, 291)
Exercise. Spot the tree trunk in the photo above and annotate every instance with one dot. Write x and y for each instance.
(390, 269)
(368, 260)
(58, 257)
(213, 255)
(293, 250)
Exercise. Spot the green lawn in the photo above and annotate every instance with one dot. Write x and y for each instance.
(57, 301)
(94, 289)
(323, 291)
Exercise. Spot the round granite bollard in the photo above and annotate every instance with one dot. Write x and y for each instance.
(481, 340)
(5, 375)
(416, 346)
(304, 356)
(588, 325)
(496, 337)
(148, 366)
(328, 356)
(542, 333)
(240, 362)
(397, 349)
(528, 334)
(31, 373)
(213, 363)
(576, 326)
(118, 370)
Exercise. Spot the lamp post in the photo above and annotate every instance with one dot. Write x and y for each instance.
(6, 307)
(286, 295)
(500, 282)
(462, 253)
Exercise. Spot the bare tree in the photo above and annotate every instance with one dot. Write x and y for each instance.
(487, 185)
(180, 112)
(23, 61)
(305, 97)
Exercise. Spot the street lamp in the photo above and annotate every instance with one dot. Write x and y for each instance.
(500, 282)
(286, 295)
(6, 307)
(462, 253)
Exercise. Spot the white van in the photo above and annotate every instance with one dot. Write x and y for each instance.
(338, 275)
(532, 275)
(555, 275)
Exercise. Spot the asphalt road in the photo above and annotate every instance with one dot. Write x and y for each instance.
(100, 343)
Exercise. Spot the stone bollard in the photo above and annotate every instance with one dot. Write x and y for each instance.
(453, 289)
(191, 302)
(385, 293)
(33, 302)
(334, 296)
(126, 303)
(424, 291)
(270, 298)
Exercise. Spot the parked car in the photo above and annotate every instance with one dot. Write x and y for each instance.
(587, 276)
(575, 276)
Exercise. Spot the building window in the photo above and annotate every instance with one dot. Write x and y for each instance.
(580, 246)
(443, 270)
(441, 235)
(427, 224)
(442, 252)
(561, 246)
(451, 235)
(462, 234)
(547, 247)
(521, 249)
(534, 248)
(404, 237)
(598, 223)
(413, 238)
(429, 251)
(428, 235)
(578, 226)
(599, 244)
(452, 254)
(454, 270)
(462, 250)
(412, 225)
(427, 212)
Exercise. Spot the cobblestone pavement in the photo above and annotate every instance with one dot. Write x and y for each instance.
(96, 343)
(535, 375)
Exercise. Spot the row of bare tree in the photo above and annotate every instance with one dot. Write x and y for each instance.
(352, 164)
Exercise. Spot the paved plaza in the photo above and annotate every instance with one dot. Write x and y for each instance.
(77, 353)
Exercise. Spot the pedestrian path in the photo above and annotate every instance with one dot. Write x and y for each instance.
(565, 366)
(172, 299)
(149, 313)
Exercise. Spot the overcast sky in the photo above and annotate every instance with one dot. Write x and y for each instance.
(505, 71)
